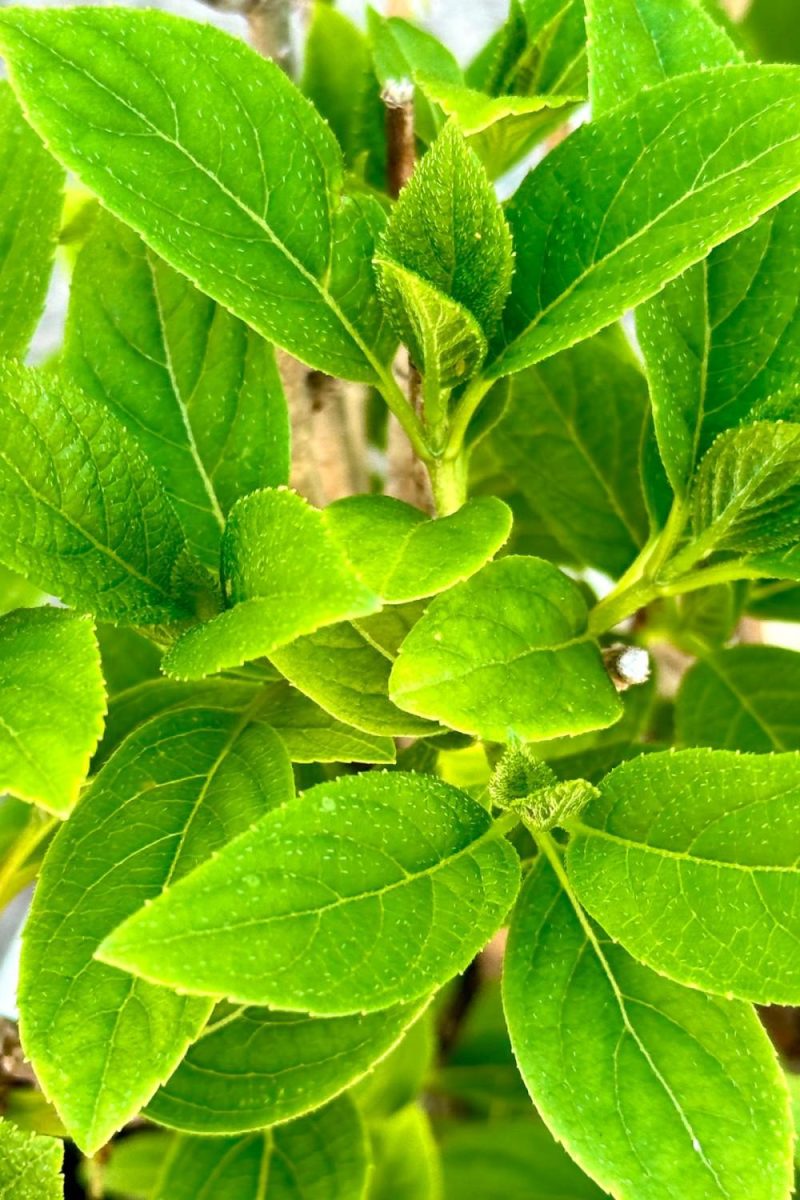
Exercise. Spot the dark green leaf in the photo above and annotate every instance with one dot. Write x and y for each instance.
(399, 876)
(743, 698)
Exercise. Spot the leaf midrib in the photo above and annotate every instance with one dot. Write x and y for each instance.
(685, 856)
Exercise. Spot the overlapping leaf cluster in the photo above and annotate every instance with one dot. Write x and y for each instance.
(282, 772)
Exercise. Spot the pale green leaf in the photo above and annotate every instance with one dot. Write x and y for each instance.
(131, 101)
(405, 1158)
(30, 1166)
(401, 51)
(285, 575)
(448, 228)
(507, 654)
(31, 199)
(402, 555)
(102, 1041)
(16, 592)
(198, 390)
(320, 1157)
(657, 1091)
(85, 516)
(689, 860)
(309, 733)
(685, 165)
(344, 671)
(742, 698)
(400, 877)
(133, 1164)
(253, 1067)
(500, 129)
(746, 496)
(638, 45)
(510, 1160)
(570, 442)
(446, 343)
(52, 703)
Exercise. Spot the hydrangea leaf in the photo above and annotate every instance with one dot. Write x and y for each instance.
(406, 904)
(30, 1165)
(689, 860)
(741, 698)
(507, 654)
(52, 703)
(102, 1041)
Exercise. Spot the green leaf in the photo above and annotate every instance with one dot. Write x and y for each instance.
(742, 698)
(746, 496)
(569, 441)
(134, 1164)
(639, 45)
(398, 1078)
(510, 1160)
(773, 27)
(402, 555)
(774, 600)
(30, 1166)
(444, 340)
(500, 129)
(689, 860)
(16, 592)
(128, 658)
(406, 906)
(101, 1041)
(401, 50)
(323, 1156)
(130, 101)
(344, 671)
(86, 518)
(406, 1158)
(285, 575)
(31, 199)
(253, 1067)
(507, 654)
(198, 390)
(685, 165)
(448, 228)
(557, 55)
(309, 733)
(52, 703)
(654, 1089)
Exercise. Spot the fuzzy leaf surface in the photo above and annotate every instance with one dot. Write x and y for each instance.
(741, 698)
(30, 1165)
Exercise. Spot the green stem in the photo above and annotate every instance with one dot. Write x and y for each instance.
(449, 483)
(467, 407)
(398, 404)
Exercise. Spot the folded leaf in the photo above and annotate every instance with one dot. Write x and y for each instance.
(130, 101)
(86, 518)
(402, 555)
(347, 674)
(255, 1067)
(569, 441)
(689, 860)
(30, 1166)
(448, 228)
(557, 35)
(309, 733)
(655, 1090)
(31, 199)
(285, 575)
(742, 698)
(444, 340)
(746, 496)
(323, 1155)
(505, 655)
(685, 165)
(198, 390)
(406, 906)
(102, 1041)
(52, 703)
